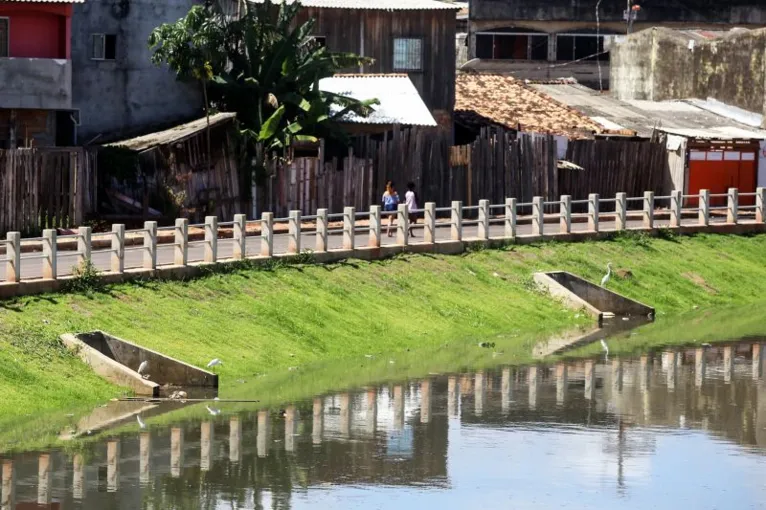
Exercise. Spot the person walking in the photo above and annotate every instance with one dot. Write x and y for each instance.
(411, 201)
(390, 203)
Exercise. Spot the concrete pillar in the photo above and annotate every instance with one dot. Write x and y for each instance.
(510, 218)
(150, 245)
(372, 410)
(672, 370)
(506, 387)
(291, 427)
(728, 363)
(8, 488)
(13, 257)
(590, 380)
(402, 225)
(456, 220)
(145, 458)
(649, 209)
(317, 425)
(44, 479)
(345, 414)
(452, 396)
(617, 375)
(429, 223)
(176, 451)
(235, 440)
(538, 218)
(321, 230)
(593, 212)
(113, 466)
(211, 239)
(294, 232)
(181, 242)
(562, 383)
(425, 401)
(267, 234)
(78, 477)
(757, 361)
(483, 228)
(565, 214)
(732, 209)
(349, 224)
(84, 244)
(533, 382)
(621, 210)
(676, 201)
(398, 407)
(50, 254)
(206, 438)
(703, 213)
(700, 364)
(760, 205)
(239, 250)
(118, 249)
(479, 393)
(263, 436)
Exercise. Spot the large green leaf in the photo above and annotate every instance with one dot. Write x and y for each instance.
(271, 125)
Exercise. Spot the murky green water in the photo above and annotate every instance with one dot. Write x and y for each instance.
(675, 429)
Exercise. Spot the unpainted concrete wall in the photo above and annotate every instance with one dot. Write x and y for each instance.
(121, 97)
(37, 83)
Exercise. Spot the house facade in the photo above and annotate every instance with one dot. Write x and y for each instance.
(563, 38)
(36, 74)
(412, 37)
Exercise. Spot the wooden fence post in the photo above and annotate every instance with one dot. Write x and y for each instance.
(211, 239)
(621, 210)
(321, 231)
(565, 213)
(732, 209)
(150, 245)
(402, 225)
(84, 244)
(649, 209)
(593, 212)
(349, 224)
(294, 232)
(538, 216)
(429, 223)
(181, 248)
(510, 218)
(13, 257)
(240, 237)
(118, 248)
(267, 234)
(704, 208)
(456, 217)
(50, 254)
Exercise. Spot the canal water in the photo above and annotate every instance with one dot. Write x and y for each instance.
(676, 429)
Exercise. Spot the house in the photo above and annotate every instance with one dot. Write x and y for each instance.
(564, 38)
(116, 89)
(36, 73)
(412, 37)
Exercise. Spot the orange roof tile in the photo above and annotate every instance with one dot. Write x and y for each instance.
(510, 102)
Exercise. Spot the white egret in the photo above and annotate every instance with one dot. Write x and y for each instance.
(214, 363)
(607, 276)
(141, 423)
(605, 347)
(142, 367)
(213, 412)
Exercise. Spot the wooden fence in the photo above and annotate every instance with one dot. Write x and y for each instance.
(45, 188)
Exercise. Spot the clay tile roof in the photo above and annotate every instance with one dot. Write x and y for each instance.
(510, 102)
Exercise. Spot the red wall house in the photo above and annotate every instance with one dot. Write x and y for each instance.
(36, 29)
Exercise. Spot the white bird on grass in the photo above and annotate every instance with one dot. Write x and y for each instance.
(605, 348)
(141, 423)
(607, 276)
(213, 412)
(142, 367)
(214, 363)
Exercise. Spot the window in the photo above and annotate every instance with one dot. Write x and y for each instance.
(512, 46)
(571, 47)
(408, 54)
(4, 22)
(104, 47)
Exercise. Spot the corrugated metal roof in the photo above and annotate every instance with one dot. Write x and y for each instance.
(678, 117)
(172, 135)
(400, 102)
(384, 5)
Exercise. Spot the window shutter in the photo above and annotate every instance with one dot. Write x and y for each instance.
(98, 46)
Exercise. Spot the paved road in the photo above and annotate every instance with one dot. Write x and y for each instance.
(31, 263)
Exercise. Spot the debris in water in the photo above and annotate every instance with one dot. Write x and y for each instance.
(626, 318)
(213, 412)
(178, 395)
(705, 344)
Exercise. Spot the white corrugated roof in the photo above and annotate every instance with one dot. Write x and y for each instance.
(400, 102)
(385, 5)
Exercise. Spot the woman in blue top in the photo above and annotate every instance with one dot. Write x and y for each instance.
(390, 203)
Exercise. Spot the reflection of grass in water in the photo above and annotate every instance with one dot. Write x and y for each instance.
(264, 321)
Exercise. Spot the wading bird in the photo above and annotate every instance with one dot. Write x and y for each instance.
(141, 423)
(605, 348)
(607, 276)
(213, 412)
(214, 363)
(142, 367)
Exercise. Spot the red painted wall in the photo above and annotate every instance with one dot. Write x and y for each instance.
(38, 30)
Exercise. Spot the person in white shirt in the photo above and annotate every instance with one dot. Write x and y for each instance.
(411, 201)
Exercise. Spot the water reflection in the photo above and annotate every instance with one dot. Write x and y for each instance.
(683, 423)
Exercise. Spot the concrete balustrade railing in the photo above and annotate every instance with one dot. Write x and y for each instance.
(457, 224)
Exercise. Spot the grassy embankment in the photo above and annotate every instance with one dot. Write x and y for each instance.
(328, 317)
